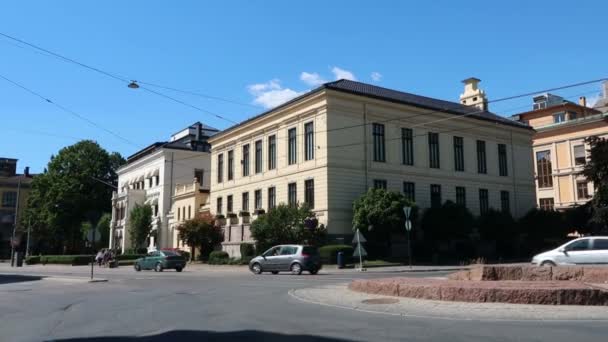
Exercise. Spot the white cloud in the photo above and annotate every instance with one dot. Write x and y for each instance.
(343, 74)
(271, 93)
(312, 79)
(376, 76)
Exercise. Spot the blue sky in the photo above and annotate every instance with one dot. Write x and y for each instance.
(259, 52)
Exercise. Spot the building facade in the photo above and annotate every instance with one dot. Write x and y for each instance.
(189, 200)
(559, 149)
(150, 177)
(14, 190)
(329, 146)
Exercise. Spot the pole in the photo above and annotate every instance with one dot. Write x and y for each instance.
(409, 249)
(93, 246)
(27, 244)
(359, 247)
(15, 224)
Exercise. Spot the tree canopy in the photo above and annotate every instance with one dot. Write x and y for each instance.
(450, 221)
(201, 232)
(69, 192)
(596, 171)
(140, 224)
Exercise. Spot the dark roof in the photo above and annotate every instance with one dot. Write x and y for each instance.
(372, 91)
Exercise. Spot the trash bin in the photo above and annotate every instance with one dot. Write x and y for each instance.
(19, 259)
(340, 260)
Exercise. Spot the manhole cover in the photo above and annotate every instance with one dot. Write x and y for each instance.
(380, 301)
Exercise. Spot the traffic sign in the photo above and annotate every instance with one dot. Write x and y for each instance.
(360, 251)
(407, 211)
(408, 225)
(358, 237)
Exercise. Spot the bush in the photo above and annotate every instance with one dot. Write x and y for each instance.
(247, 250)
(32, 260)
(218, 256)
(329, 253)
(185, 254)
(74, 260)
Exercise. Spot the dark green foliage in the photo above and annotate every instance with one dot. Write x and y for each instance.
(448, 222)
(74, 260)
(247, 250)
(32, 260)
(129, 256)
(543, 228)
(499, 228)
(67, 193)
(201, 232)
(329, 253)
(596, 170)
(287, 225)
(218, 257)
(140, 224)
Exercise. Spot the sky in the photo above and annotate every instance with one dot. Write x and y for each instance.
(256, 54)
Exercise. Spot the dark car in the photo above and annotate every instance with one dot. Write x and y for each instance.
(160, 260)
(288, 258)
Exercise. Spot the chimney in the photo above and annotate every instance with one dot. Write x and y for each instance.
(26, 171)
(473, 96)
(582, 101)
(605, 89)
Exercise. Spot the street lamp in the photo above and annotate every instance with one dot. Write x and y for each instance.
(133, 84)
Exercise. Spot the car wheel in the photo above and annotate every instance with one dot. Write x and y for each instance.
(314, 271)
(275, 272)
(296, 269)
(137, 267)
(178, 269)
(256, 268)
(158, 267)
(548, 263)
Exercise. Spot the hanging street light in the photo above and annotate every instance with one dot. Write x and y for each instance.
(133, 84)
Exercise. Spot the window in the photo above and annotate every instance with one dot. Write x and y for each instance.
(309, 192)
(272, 198)
(434, 150)
(309, 141)
(582, 190)
(292, 194)
(288, 250)
(600, 244)
(435, 195)
(9, 199)
(484, 202)
(272, 152)
(546, 203)
(189, 211)
(179, 212)
(461, 196)
(230, 165)
(257, 199)
(219, 205)
(505, 205)
(407, 146)
(544, 169)
(228, 204)
(198, 176)
(559, 117)
(481, 157)
(379, 148)
(579, 155)
(458, 154)
(578, 245)
(220, 168)
(409, 191)
(502, 160)
(292, 156)
(258, 156)
(380, 184)
(150, 182)
(157, 178)
(245, 201)
(245, 160)
(572, 115)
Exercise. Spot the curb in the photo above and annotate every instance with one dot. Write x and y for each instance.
(371, 270)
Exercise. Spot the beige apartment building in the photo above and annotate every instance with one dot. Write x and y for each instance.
(559, 149)
(188, 201)
(328, 146)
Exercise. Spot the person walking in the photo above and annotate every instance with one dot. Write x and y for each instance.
(99, 257)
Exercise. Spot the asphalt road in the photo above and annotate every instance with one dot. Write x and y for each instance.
(229, 306)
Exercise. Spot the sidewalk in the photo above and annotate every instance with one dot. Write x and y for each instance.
(395, 269)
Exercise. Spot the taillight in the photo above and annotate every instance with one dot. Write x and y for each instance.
(305, 255)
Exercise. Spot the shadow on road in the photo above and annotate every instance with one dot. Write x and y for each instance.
(193, 335)
(16, 278)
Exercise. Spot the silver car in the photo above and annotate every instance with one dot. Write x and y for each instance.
(288, 258)
(586, 250)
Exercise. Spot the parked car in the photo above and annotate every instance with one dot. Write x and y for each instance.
(160, 260)
(586, 250)
(288, 258)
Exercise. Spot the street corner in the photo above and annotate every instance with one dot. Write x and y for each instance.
(339, 296)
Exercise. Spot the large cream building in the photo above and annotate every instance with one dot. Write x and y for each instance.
(328, 146)
(559, 149)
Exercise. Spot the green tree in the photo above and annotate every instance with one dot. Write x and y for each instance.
(287, 224)
(596, 171)
(140, 224)
(448, 222)
(543, 228)
(201, 232)
(499, 227)
(67, 192)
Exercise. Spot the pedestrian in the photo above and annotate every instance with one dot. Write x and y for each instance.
(106, 257)
(99, 257)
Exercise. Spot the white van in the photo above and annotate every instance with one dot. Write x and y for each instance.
(586, 250)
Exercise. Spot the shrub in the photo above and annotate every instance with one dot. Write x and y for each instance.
(329, 253)
(247, 250)
(216, 256)
(32, 260)
(185, 254)
(74, 260)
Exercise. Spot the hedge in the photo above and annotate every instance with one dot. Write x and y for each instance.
(229, 261)
(32, 260)
(215, 256)
(329, 253)
(247, 250)
(74, 260)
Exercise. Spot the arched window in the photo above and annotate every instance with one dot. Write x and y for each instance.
(189, 209)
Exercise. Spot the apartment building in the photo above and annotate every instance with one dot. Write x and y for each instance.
(559, 149)
(188, 201)
(14, 190)
(327, 147)
(150, 176)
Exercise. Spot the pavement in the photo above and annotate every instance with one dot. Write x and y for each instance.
(57, 303)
